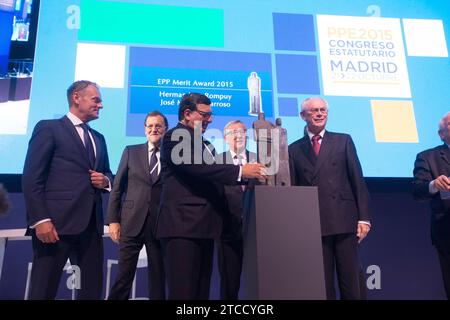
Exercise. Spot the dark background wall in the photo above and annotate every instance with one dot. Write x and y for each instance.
(399, 244)
(25, 49)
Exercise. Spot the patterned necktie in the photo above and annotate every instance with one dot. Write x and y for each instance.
(315, 143)
(240, 162)
(88, 145)
(154, 166)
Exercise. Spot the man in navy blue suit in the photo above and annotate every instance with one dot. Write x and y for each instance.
(66, 170)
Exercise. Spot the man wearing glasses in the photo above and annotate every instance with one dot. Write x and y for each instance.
(230, 245)
(132, 219)
(329, 161)
(192, 199)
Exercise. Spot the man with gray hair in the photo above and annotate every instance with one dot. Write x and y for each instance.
(329, 161)
(230, 245)
(432, 182)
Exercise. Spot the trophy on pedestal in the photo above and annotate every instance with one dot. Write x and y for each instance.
(272, 151)
(254, 92)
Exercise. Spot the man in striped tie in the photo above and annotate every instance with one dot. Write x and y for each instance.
(132, 219)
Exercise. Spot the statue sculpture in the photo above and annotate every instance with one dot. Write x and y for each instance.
(272, 151)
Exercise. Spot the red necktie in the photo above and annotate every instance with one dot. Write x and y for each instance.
(315, 143)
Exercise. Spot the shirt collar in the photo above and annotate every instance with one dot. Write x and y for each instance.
(151, 146)
(74, 119)
(243, 154)
(310, 134)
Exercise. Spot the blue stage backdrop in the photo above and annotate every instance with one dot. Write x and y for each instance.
(382, 65)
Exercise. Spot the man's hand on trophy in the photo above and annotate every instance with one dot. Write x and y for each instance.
(254, 171)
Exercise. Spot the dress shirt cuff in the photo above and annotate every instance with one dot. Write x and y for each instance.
(431, 188)
(108, 188)
(39, 222)
(365, 222)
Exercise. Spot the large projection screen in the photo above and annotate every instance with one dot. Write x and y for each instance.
(382, 65)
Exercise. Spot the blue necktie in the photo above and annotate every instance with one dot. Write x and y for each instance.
(154, 166)
(88, 145)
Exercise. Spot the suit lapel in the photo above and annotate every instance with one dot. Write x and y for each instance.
(229, 158)
(144, 161)
(307, 150)
(210, 150)
(251, 157)
(98, 148)
(325, 151)
(75, 138)
(305, 158)
(445, 153)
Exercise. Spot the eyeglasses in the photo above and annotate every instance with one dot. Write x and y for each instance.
(235, 132)
(156, 127)
(205, 115)
(317, 110)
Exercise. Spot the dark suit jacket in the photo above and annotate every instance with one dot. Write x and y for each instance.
(140, 194)
(232, 222)
(192, 203)
(343, 195)
(56, 181)
(429, 165)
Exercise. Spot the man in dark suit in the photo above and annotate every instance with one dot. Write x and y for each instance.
(66, 169)
(432, 182)
(4, 201)
(230, 245)
(329, 161)
(132, 211)
(192, 199)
